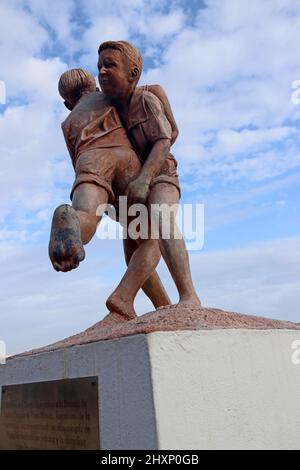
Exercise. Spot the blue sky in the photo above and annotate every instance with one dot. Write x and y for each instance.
(228, 72)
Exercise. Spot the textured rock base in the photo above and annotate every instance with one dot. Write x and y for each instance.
(182, 379)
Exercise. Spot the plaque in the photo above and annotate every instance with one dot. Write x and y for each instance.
(58, 414)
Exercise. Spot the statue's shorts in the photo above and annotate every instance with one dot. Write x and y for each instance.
(111, 168)
(114, 168)
(168, 174)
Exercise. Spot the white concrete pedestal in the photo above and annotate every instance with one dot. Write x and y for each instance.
(204, 389)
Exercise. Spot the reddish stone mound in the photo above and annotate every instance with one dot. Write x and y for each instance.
(166, 319)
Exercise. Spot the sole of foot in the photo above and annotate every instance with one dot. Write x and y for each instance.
(65, 247)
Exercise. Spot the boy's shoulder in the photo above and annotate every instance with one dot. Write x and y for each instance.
(155, 89)
(143, 104)
(147, 94)
(92, 102)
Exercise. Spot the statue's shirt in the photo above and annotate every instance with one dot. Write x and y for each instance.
(93, 124)
(146, 122)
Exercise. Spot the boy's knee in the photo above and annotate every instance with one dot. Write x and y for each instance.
(87, 197)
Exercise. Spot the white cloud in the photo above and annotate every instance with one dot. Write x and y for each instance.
(229, 79)
(157, 27)
(32, 146)
(123, 21)
(57, 15)
(20, 32)
(31, 143)
(230, 141)
(103, 28)
(238, 205)
(39, 80)
(262, 279)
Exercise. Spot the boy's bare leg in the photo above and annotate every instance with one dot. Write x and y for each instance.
(141, 265)
(73, 227)
(153, 287)
(173, 250)
(86, 200)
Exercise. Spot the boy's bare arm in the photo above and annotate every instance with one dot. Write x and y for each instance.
(155, 160)
(69, 146)
(72, 154)
(138, 190)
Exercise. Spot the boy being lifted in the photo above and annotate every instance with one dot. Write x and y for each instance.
(104, 164)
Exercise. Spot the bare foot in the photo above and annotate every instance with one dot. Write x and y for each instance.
(192, 301)
(116, 304)
(165, 307)
(185, 302)
(65, 246)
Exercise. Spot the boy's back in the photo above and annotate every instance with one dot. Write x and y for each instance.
(93, 124)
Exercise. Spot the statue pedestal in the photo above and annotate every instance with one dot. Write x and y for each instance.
(171, 379)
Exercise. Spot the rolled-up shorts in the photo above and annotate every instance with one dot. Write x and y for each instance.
(110, 168)
(168, 174)
(115, 167)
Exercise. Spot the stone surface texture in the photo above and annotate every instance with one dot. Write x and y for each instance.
(167, 319)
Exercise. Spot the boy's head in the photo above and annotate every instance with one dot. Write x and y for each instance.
(120, 67)
(73, 84)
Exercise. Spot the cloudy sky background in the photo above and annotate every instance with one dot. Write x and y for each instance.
(227, 70)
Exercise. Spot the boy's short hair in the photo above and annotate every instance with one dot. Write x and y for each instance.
(129, 50)
(74, 82)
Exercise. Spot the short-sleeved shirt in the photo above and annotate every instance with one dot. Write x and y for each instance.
(99, 147)
(147, 123)
(93, 124)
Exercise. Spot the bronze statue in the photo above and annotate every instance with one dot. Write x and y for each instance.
(100, 132)
(104, 163)
(150, 132)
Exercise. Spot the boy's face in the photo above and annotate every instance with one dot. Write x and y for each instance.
(114, 73)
